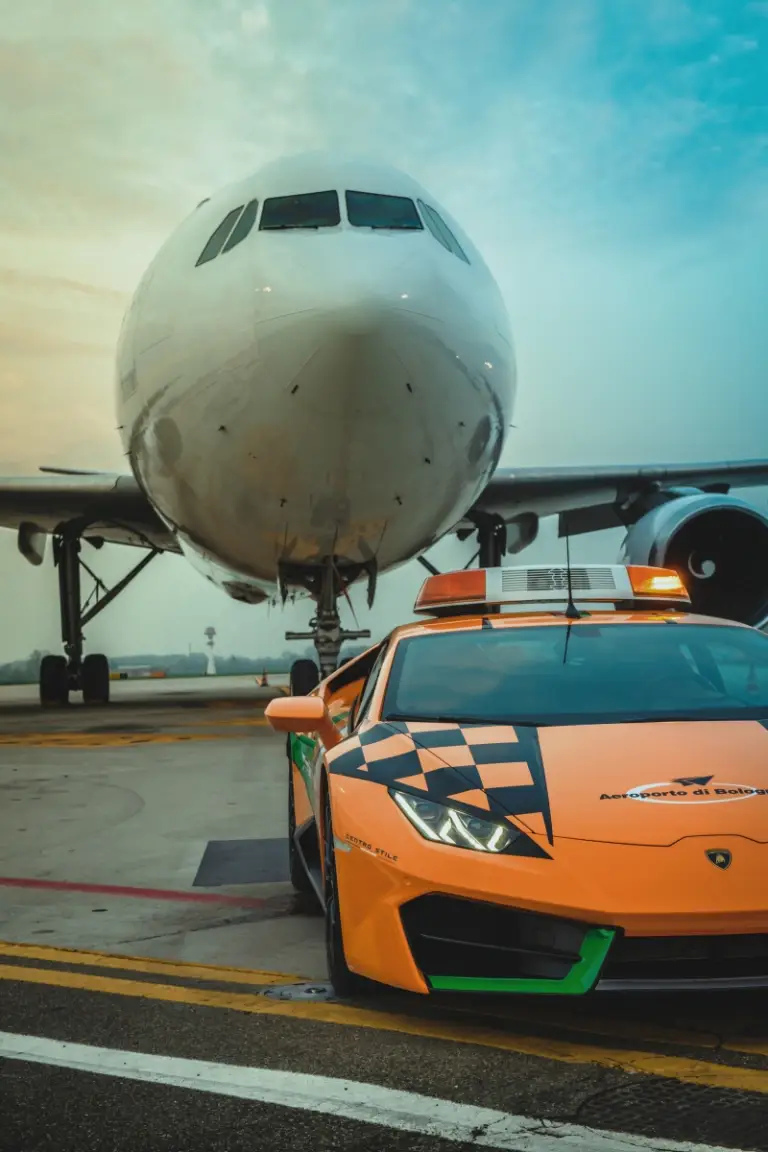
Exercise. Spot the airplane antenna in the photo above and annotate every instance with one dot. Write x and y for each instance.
(571, 612)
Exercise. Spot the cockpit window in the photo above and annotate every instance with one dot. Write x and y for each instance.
(215, 244)
(442, 232)
(243, 226)
(372, 210)
(311, 210)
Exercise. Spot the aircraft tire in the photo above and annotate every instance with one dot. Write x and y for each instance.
(95, 679)
(304, 677)
(54, 681)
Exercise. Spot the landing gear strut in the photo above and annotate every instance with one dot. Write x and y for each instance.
(60, 675)
(326, 630)
(492, 541)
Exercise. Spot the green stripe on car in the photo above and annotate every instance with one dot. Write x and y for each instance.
(302, 754)
(579, 980)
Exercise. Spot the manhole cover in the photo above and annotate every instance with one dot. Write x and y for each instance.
(319, 992)
(679, 1111)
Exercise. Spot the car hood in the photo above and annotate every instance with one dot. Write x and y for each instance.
(645, 784)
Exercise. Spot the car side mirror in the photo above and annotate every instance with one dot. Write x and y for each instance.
(303, 714)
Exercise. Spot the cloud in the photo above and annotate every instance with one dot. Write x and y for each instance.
(84, 138)
(256, 20)
(739, 44)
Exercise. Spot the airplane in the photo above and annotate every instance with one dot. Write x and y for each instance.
(315, 380)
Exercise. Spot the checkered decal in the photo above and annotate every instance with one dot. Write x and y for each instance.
(485, 769)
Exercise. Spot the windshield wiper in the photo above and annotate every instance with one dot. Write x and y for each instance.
(506, 721)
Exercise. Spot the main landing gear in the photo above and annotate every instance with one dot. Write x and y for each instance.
(74, 672)
(327, 584)
(492, 541)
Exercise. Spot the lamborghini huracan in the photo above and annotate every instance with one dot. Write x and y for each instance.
(515, 793)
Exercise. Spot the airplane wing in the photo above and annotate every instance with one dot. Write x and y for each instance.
(110, 507)
(593, 499)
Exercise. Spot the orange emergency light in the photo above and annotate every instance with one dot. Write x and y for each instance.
(548, 584)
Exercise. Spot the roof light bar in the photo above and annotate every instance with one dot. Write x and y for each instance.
(464, 587)
(548, 584)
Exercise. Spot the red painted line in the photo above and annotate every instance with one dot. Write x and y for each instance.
(136, 893)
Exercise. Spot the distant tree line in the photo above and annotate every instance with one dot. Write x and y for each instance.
(178, 664)
(22, 671)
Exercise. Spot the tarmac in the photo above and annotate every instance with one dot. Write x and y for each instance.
(163, 987)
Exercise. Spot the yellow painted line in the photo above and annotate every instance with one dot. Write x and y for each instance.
(670, 1067)
(750, 1045)
(621, 1029)
(224, 703)
(615, 1027)
(241, 722)
(147, 964)
(105, 739)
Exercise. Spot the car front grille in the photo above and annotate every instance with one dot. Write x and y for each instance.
(686, 958)
(467, 938)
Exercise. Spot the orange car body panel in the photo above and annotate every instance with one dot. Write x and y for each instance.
(591, 769)
(301, 804)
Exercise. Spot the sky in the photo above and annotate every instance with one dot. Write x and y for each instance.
(609, 158)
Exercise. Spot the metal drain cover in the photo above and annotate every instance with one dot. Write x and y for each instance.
(318, 992)
(679, 1111)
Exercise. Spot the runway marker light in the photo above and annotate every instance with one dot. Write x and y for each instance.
(547, 584)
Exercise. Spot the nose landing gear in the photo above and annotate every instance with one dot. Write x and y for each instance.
(328, 583)
(304, 677)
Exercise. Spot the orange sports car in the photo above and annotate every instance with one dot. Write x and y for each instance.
(567, 797)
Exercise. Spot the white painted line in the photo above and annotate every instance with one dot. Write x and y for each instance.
(368, 1103)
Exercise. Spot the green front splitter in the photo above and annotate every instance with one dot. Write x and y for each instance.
(580, 979)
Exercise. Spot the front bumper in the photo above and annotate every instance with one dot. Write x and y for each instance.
(426, 917)
(465, 945)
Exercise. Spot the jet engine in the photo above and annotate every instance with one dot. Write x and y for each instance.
(718, 545)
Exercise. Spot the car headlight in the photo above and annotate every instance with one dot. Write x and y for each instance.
(447, 825)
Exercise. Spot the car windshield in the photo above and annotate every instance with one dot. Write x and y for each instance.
(587, 673)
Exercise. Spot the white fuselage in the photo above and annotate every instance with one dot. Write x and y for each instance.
(333, 390)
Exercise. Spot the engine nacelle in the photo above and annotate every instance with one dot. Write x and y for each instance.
(719, 547)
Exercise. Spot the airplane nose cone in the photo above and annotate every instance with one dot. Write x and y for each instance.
(365, 304)
(343, 275)
(347, 361)
(366, 353)
(350, 330)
